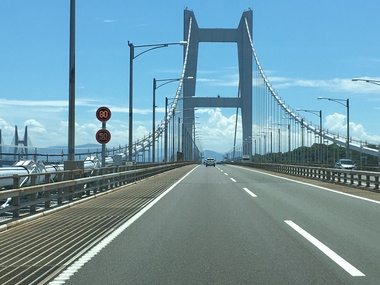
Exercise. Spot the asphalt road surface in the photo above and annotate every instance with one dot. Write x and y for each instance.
(230, 225)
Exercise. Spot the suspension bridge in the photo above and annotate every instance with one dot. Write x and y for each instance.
(268, 124)
(265, 124)
(227, 224)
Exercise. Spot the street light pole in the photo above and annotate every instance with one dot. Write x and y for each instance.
(348, 126)
(319, 114)
(155, 87)
(173, 116)
(154, 120)
(347, 105)
(71, 126)
(376, 82)
(132, 56)
(289, 139)
(166, 131)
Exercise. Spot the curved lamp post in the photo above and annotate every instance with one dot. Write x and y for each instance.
(155, 87)
(71, 126)
(319, 114)
(376, 82)
(347, 105)
(132, 56)
(289, 138)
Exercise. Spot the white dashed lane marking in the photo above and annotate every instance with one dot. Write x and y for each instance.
(249, 192)
(326, 250)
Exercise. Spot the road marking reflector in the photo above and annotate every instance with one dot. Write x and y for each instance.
(326, 250)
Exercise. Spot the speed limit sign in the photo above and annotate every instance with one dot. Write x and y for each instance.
(103, 114)
(103, 136)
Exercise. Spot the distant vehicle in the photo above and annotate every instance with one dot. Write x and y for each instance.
(345, 163)
(210, 162)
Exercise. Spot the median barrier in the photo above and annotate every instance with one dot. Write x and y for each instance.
(355, 178)
(74, 185)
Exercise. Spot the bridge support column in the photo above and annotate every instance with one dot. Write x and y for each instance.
(194, 35)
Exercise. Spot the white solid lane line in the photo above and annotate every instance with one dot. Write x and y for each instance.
(326, 250)
(249, 192)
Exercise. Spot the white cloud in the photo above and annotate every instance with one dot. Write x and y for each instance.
(36, 128)
(227, 80)
(109, 21)
(141, 132)
(332, 85)
(336, 123)
(217, 130)
(45, 103)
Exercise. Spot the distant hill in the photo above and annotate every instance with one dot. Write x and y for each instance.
(78, 149)
(83, 146)
(217, 156)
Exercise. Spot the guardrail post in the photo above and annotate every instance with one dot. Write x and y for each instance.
(101, 181)
(71, 188)
(47, 194)
(33, 196)
(60, 177)
(345, 177)
(97, 183)
(112, 180)
(368, 181)
(16, 200)
(376, 182)
(359, 180)
(328, 175)
(121, 176)
(80, 187)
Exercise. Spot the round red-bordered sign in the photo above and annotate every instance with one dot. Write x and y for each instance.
(103, 136)
(103, 114)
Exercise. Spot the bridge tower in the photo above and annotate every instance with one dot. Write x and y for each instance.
(240, 35)
(23, 142)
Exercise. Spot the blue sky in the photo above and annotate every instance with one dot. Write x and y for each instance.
(306, 48)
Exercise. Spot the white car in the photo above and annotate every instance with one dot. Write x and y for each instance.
(345, 163)
(210, 162)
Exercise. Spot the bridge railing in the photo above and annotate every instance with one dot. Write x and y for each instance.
(355, 178)
(72, 186)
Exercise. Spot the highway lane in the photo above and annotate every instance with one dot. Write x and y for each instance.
(229, 225)
(348, 225)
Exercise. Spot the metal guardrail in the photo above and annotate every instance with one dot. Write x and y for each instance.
(353, 178)
(72, 185)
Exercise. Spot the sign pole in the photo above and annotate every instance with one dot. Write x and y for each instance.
(103, 136)
(104, 147)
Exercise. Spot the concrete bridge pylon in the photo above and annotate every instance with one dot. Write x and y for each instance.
(240, 35)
